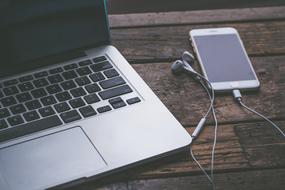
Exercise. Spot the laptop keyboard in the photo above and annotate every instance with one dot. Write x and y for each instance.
(60, 95)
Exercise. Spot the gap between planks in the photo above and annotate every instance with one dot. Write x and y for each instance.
(239, 147)
(197, 17)
(167, 43)
(254, 180)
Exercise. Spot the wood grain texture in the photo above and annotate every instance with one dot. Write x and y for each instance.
(253, 180)
(188, 102)
(101, 186)
(197, 17)
(239, 147)
(152, 44)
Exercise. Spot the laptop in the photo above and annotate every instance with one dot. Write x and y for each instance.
(72, 109)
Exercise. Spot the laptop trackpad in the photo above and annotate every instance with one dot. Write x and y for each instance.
(51, 159)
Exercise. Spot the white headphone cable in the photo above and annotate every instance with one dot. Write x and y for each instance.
(238, 98)
(212, 98)
(215, 128)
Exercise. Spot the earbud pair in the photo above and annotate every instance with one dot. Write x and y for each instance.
(184, 65)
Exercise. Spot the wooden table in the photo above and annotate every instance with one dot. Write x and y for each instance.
(250, 154)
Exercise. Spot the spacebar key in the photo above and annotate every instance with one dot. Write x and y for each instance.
(115, 92)
(29, 128)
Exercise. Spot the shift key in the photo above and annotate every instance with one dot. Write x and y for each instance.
(112, 82)
(115, 92)
(70, 116)
(28, 128)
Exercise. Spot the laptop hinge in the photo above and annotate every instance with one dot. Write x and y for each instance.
(62, 57)
(44, 61)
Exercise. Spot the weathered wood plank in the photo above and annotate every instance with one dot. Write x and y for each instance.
(152, 44)
(239, 147)
(102, 185)
(253, 180)
(195, 17)
(188, 102)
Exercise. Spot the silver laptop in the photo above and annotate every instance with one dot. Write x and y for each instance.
(72, 108)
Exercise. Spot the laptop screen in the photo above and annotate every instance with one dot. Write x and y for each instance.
(33, 32)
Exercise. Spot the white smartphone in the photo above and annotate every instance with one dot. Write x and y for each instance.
(223, 59)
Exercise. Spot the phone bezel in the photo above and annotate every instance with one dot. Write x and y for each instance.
(226, 85)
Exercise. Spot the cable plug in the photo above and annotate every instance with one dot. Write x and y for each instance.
(237, 95)
(199, 128)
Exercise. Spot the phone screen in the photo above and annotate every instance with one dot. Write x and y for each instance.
(223, 58)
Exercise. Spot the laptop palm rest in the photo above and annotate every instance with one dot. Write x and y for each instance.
(49, 160)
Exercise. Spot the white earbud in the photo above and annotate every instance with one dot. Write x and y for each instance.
(184, 65)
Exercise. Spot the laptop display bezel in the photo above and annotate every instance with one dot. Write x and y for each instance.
(65, 55)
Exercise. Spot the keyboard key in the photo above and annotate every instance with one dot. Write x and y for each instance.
(112, 82)
(26, 86)
(70, 66)
(55, 79)
(78, 92)
(91, 99)
(8, 101)
(69, 75)
(63, 96)
(40, 82)
(52, 89)
(10, 82)
(83, 71)
(133, 100)
(104, 109)
(62, 107)
(4, 113)
(32, 105)
(85, 62)
(30, 116)
(67, 85)
(17, 109)
(49, 100)
(38, 93)
(15, 120)
(10, 90)
(97, 77)
(82, 81)
(41, 74)
(115, 100)
(87, 111)
(26, 78)
(92, 88)
(99, 59)
(56, 70)
(24, 97)
(46, 111)
(111, 73)
(115, 92)
(76, 103)
(30, 127)
(3, 124)
(70, 116)
(101, 66)
(117, 103)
